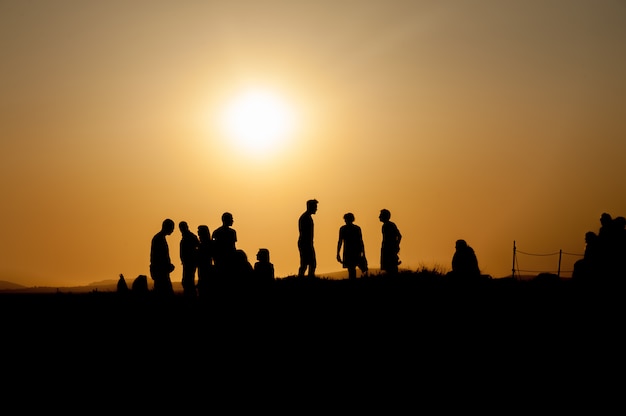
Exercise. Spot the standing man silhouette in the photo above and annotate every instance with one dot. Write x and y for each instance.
(224, 246)
(351, 238)
(160, 263)
(390, 247)
(305, 240)
(189, 258)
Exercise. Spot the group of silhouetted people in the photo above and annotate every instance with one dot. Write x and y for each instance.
(351, 241)
(604, 259)
(138, 287)
(209, 259)
(213, 258)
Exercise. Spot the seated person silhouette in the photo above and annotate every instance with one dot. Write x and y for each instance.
(464, 263)
(242, 269)
(263, 268)
(587, 267)
(122, 287)
(140, 285)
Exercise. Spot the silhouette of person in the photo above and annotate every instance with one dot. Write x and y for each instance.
(160, 263)
(390, 247)
(205, 259)
(224, 246)
(189, 258)
(620, 245)
(305, 240)
(351, 238)
(242, 268)
(607, 247)
(140, 285)
(122, 287)
(263, 268)
(606, 226)
(585, 268)
(464, 262)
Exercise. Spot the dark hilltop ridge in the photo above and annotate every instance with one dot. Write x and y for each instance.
(397, 336)
(412, 292)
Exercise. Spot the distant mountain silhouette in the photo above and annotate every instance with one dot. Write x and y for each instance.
(109, 285)
(4, 285)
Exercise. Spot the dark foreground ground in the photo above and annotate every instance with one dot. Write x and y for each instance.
(413, 337)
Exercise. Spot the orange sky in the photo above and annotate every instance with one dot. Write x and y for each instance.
(489, 121)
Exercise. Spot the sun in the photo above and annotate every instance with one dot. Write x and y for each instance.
(257, 120)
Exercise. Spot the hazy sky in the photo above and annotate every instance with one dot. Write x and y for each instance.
(488, 120)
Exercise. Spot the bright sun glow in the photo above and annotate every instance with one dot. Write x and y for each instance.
(257, 120)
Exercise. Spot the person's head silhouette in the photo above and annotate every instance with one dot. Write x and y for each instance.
(263, 255)
(227, 219)
(311, 206)
(203, 232)
(590, 237)
(605, 219)
(168, 226)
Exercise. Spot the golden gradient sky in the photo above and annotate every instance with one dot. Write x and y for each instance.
(486, 120)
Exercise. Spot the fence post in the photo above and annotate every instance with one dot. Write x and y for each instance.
(513, 267)
(558, 272)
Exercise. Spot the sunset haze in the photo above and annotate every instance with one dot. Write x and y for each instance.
(488, 121)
